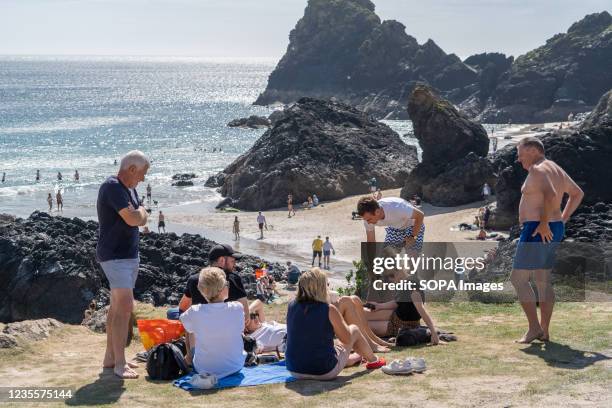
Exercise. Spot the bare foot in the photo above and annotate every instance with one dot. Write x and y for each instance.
(380, 349)
(112, 365)
(530, 336)
(126, 373)
(544, 337)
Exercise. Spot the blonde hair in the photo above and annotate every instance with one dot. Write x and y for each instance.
(211, 282)
(312, 286)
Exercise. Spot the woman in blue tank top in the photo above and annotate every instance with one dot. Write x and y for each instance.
(312, 324)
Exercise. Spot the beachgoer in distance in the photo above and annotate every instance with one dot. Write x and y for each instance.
(373, 184)
(317, 249)
(486, 192)
(3, 176)
(543, 227)
(50, 202)
(404, 222)
(161, 222)
(59, 176)
(312, 324)
(378, 195)
(261, 221)
(315, 200)
(149, 194)
(328, 248)
(236, 228)
(119, 216)
(290, 206)
(494, 144)
(37, 175)
(215, 327)
(310, 202)
(76, 176)
(60, 201)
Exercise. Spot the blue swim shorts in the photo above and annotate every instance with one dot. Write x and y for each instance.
(531, 252)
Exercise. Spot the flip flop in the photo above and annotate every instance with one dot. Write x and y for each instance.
(397, 367)
(376, 364)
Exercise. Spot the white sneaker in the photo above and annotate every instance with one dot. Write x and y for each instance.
(418, 364)
(397, 367)
(204, 381)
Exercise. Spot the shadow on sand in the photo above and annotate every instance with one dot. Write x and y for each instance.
(563, 356)
(106, 389)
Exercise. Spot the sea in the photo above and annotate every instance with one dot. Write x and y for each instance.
(62, 114)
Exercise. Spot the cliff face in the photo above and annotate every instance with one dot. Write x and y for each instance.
(341, 49)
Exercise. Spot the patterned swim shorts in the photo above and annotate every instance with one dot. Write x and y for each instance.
(396, 238)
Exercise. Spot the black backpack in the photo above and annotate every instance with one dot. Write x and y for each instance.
(411, 337)
(167, 361)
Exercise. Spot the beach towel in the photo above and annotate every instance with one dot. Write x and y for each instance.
(275, 373)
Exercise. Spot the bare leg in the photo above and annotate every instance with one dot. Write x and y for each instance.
(347, 309)
(520, 280)
(122, 301)
(257, 306)
(364, 323)
(109, 356)
(360, 345)
(546, 296)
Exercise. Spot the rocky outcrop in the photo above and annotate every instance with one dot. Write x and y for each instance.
(252, 122)
(48, 268)
(601, 116)
(320, 147)
(342, 49)
(183, 180)
(584, 154)
(21, 333)
(454, 166)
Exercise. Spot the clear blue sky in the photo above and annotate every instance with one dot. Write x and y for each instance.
(260, 28)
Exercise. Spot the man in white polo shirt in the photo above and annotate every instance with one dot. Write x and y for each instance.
(404, 223)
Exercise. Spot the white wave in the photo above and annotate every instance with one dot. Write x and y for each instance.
(69, 124)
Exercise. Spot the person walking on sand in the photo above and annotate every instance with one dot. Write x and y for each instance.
(236, 229)
(543, 227)
(328, 248)
(290, 206)
(261, 221)
(50, 202)
(317, 249)
(60, 201)
(76, 176)
(486, 192)
(119, 216)
(149, 194)
(161, 223)
(405, 227)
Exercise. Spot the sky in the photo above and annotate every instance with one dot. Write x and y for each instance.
(260, 28)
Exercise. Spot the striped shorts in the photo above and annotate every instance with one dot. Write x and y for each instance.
(396, 238)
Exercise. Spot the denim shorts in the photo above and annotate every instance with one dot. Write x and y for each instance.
(121, 273)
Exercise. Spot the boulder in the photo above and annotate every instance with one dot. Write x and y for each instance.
(184, 176)
(601, 116)
(21, 333)
(454, 166)
(53, 260)
(585, 154)
(226, 202)
(182, 183)
(252, 122)
(322, 147)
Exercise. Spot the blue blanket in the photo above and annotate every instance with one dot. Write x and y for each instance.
(262, 374)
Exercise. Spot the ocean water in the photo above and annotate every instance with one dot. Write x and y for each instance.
(59, 114)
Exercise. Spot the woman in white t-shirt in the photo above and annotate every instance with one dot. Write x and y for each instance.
(216, 326)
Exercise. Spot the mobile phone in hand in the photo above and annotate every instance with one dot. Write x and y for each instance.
(370, 306)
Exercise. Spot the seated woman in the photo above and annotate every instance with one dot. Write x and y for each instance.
(217, 327)
(311, 325)
(405, 311)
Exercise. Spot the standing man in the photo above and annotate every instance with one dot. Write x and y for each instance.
(50, 202)
(328, 248)
(486, 192)
(161, 222)
(149, 194)
(261, 221)
(236, 228)
(120, 215)
(3, 177)
(76, 176)
(290, 205)
(543, 227)
(59, 176)
(317, 249)
(37, 175)
(404, 222)
(60, 201)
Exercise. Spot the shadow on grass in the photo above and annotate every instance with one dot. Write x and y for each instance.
(563, 356)
(309, 388)
(107, 389)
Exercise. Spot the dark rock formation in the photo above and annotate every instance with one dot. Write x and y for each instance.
(584, 154)
(601, 117)
(276, 116)
(182, 183)
(454, 166)
(567, 74)
(320, 147)
(252, 122)
(48, 268)
(342, 49)
(183, 180)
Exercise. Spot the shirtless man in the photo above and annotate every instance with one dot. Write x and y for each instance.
(543, 226)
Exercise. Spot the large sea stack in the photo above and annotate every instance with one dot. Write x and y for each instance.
(454, 166)
(585, 154)
(342, 49)
(322, 147)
